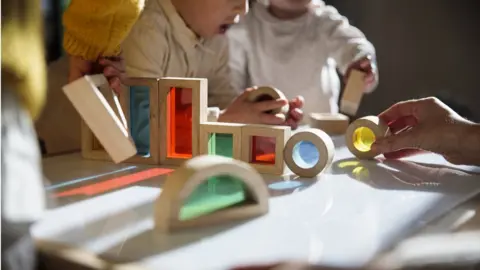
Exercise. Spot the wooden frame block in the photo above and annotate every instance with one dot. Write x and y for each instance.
(322, 142)
(332, 123)
(154, 120)
(280, 134)
(353, 93)
(91, 149)
(100, 117)
(234, 129)
(362, 133)
(263, 93)
(199, 88)
(196, 171)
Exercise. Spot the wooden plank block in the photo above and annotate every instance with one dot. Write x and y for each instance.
(332, 123)
(262, 137)
(100, 117)
(362, 133)
(207, 129)
(202, 170)
(353, 93)
(175, 94)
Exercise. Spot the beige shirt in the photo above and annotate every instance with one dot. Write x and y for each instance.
(161, 45)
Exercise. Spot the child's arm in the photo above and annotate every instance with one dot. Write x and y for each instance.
(346, 44)
(238, 58)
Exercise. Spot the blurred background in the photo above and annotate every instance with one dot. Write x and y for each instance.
(424, 48)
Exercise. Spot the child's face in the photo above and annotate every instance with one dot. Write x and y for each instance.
(292, 5)
(210, 17)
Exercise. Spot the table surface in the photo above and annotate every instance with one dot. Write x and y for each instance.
(345, 216)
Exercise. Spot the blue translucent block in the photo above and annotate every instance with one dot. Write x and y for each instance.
(305, 154)
(140, 118)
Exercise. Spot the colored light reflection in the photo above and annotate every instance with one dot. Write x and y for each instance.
(305, 154)
(363, 138)
(179, 122)
(216, 193)
(114, 183)
(263, 150)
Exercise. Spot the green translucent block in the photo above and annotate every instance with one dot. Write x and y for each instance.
(140, 118)
(216, 193)
(220, 144)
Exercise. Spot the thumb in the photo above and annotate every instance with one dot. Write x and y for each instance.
(404, 140)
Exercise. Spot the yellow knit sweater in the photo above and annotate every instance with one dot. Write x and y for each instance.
(96, 28)
(23, 57)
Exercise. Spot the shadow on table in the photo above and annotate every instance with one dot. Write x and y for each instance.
(288, 184)
(406, 175)
(151, 242)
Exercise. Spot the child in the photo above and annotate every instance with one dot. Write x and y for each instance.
(296, 46)
(183, 38)
(23, 95)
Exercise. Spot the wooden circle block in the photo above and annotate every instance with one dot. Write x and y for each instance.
(199, 170)
(322, 142)
(263, 93)
(362, 133)
(331, 123)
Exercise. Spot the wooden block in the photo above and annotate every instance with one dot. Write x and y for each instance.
(100, 117)
(197, 173)
(332, 123)
(312, 166)
(59, 256)
(91, 149)
(263, 93)
(224, 138)
(362, 133)
(188, 98)
(353, 93)
(255, 141)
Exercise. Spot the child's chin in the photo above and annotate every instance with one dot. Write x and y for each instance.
(223, 29)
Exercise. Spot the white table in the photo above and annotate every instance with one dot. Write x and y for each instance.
(345, 216)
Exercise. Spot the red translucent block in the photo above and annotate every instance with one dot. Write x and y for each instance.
(179, 123)
(263, 150)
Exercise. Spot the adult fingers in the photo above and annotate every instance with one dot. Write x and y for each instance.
(399, 110)
(402, 123)
(403, 153)
(268, 105)
(404, 140)
(272, 119)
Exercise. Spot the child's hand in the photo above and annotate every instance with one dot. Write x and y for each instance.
(295, 113)
(243, 111)
(367, 66)
(113, 68)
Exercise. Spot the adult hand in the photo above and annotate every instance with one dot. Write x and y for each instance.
(295, 113)
(112, 67)
(243, 111)
(430, 125)
(368, 66)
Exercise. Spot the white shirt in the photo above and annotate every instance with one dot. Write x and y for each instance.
(299, 56)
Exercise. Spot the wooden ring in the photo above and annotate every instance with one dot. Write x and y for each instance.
(263, 93)
(362, 133)
(322, 142)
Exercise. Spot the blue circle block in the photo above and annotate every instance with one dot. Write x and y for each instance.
(305, 154)
(285, 185)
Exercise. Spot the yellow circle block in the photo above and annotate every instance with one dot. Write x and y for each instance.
(363, 139)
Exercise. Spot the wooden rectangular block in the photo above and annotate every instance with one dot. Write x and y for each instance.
(92, 149)
(332, 123)
(223, 139)
(95, 111)
(353, 93)
(183, 106)
(257, 149)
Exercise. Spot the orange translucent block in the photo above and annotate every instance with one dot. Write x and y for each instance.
(179, 123)
(263, 150)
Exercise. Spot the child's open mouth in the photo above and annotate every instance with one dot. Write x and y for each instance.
(223, 28)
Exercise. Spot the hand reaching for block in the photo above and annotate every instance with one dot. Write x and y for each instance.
(369, 68)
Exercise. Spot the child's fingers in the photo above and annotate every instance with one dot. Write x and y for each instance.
(296, 114)
(117, 64)
(297, 102)
(292, 123)
(271, 119)
(116, 85)
(268, 105)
